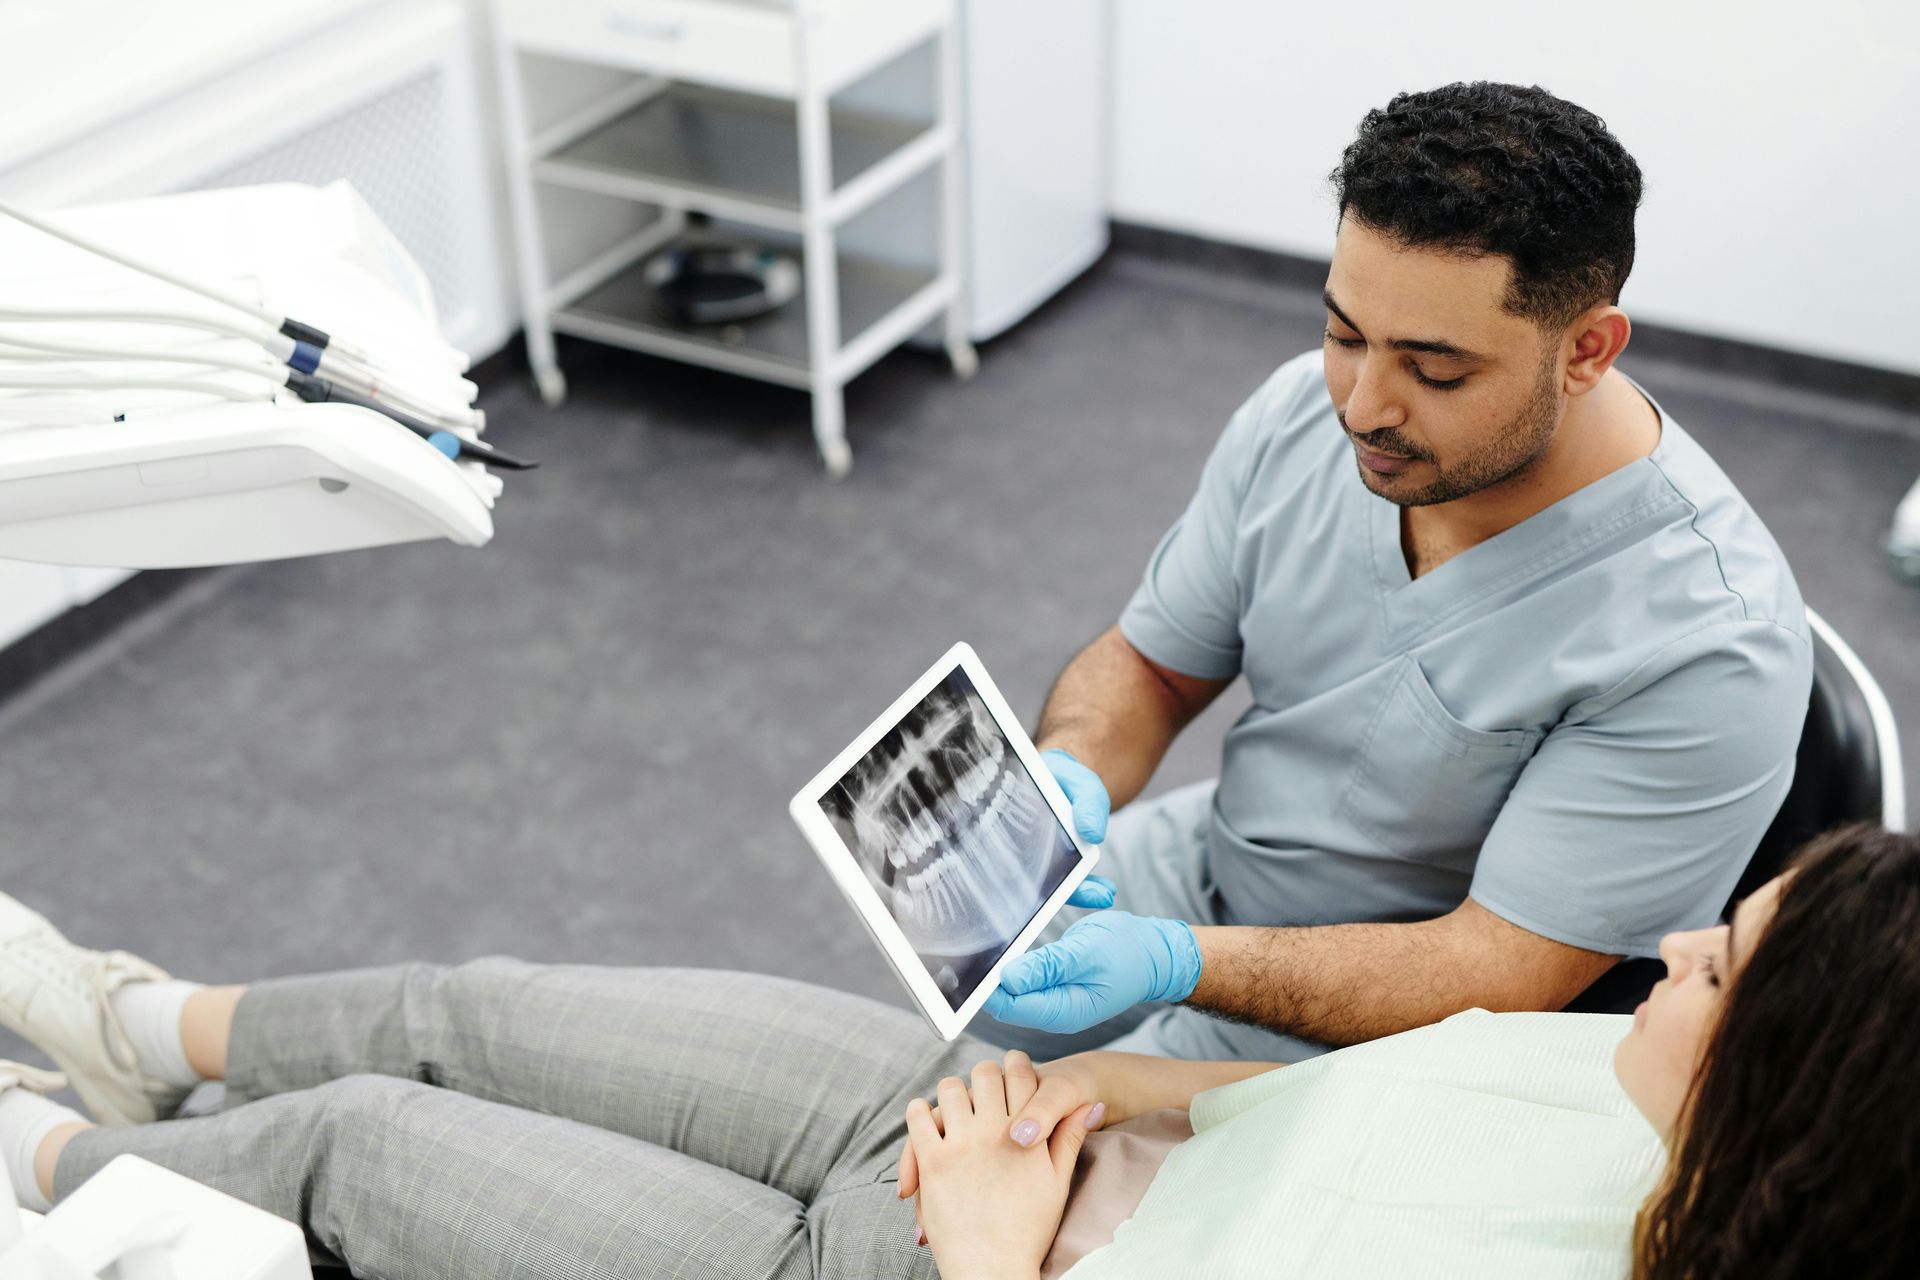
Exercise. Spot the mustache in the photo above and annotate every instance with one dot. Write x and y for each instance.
(1387, 440)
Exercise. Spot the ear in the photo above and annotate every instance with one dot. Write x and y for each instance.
(1597, 339)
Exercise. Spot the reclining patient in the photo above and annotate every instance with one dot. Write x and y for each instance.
(1754, 1118)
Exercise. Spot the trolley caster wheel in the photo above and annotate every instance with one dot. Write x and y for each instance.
(837, 457)
(552, 385)
(1905, 566)
(965, 360)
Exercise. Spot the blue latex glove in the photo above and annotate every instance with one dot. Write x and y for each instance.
(1105, 964)
(1088, 796)
(1095, 891)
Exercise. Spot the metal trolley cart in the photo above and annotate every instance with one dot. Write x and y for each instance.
(674, 112)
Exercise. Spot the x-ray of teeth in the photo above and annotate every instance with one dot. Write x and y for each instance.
(952, 833)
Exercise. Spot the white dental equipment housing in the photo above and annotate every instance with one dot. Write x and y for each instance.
(1903, 542)
(157, 448)
(968, 871)
(134, 1220)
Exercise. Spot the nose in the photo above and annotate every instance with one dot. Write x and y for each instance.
(1672, 956)
(1371, 404)
(1679, 951)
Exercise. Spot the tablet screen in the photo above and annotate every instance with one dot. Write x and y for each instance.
(952, 833)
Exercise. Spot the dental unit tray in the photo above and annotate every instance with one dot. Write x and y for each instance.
(154, 415)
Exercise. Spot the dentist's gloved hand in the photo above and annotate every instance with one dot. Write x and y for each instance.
(1088, 796)
(1095, 891)
(1103, 965)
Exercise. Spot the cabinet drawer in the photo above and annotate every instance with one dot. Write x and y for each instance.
(737, 46)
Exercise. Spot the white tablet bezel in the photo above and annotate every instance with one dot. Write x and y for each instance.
(841, 864)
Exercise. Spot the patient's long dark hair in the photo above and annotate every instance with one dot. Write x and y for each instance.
(1799, 1149)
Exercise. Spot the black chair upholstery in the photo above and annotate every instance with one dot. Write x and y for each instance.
(1839, 778)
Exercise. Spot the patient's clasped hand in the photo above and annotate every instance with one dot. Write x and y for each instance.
(604, 1122)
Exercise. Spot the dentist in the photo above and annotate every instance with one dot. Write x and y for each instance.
(1527, 672)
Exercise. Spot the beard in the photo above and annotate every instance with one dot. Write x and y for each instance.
(1511, 451)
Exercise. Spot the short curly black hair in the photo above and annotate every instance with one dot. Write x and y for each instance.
(1489, 168)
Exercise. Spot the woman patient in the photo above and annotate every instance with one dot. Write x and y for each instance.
(1755, 1117)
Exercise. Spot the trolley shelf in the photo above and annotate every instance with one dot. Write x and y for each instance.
(772, 347)
(733, 154)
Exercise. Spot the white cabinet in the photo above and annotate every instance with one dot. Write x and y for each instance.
(1036, 141)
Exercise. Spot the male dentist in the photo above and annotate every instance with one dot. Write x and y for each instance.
(1528, 673)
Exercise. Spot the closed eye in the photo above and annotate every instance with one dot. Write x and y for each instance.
(1438, 384)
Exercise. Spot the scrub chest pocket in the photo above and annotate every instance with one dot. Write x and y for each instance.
(1427, 787)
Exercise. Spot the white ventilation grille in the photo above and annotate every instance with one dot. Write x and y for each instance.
(393, 148)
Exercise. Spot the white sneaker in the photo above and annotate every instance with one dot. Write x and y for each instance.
(32, 1079)
(55, 994)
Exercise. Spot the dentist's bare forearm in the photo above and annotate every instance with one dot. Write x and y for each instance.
(1117, 712)
(1345, 983)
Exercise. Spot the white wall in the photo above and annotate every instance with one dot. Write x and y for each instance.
(1777, 141)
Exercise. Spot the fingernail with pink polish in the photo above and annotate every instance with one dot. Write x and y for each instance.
(1095, 1116)
(1025, 1132)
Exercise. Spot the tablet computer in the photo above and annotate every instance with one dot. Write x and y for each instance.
(948, 835)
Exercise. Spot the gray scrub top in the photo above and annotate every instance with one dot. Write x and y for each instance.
(1586, 722)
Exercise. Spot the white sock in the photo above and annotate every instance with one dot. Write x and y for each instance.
(26, 1119)
(150, 1011)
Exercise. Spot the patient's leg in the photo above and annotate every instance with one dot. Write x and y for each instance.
(206, 1024)
(408, 1182)
(794, 1086)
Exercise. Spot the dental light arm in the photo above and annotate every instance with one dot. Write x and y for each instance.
(175, 415)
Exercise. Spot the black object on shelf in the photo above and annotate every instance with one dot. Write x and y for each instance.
(721, 284)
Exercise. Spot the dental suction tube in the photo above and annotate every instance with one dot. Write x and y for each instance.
(295, 329)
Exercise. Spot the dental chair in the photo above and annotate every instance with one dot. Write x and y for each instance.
(1847, 769)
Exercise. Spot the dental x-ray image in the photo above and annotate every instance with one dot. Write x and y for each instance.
(952, 833)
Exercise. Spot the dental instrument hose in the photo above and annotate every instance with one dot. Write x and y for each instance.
(302, 356)
(355, 377)
(309, 387)
(300, 332)
(317, 390)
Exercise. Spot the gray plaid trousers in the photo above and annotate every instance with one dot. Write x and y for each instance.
(507, 1121)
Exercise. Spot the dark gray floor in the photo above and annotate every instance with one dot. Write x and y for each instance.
(578, 743)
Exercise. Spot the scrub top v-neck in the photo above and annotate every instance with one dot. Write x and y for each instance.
(1585, 722)
(1620, 505)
